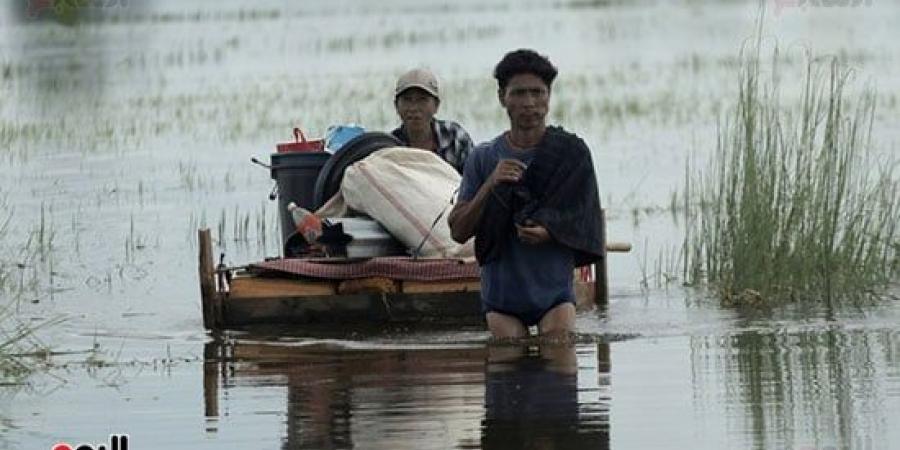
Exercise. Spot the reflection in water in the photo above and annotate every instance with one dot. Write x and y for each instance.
(531, 402)
(494, 398)
(819, 388)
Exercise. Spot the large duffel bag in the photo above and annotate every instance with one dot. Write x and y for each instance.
(410, 192)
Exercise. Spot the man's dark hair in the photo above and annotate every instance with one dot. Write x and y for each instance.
(522, 61)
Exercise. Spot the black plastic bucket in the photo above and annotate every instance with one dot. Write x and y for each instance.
(296, 174)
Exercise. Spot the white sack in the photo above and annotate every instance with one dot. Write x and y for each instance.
(405, 190)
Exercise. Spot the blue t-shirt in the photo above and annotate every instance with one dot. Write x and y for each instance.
(526, 280)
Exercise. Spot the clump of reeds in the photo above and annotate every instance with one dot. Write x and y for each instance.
(17, 347)
(20, 350)
(5, 266)
(13, 334)
(796, 205)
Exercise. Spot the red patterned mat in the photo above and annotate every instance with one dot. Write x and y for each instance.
(397, 268)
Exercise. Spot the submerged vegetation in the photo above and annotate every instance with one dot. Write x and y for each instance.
(16, 338)
(796, 205)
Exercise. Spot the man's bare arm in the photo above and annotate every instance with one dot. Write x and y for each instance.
(465, 215)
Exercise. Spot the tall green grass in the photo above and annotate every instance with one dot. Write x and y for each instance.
(796, 204)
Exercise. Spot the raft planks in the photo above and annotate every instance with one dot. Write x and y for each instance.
(258, 287)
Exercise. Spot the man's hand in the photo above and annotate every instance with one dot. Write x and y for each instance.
(465, 215)
(508, 170)
(532, 233)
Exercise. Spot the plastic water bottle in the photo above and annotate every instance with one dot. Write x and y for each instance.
(308, 224)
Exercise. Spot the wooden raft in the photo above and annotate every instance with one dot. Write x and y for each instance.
(248, 299)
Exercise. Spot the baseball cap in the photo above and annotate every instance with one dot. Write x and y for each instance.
(418, 78)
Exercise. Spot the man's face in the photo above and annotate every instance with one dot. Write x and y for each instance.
(526, 99)
(416, 107)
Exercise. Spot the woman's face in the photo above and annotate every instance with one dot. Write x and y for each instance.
(416, 108)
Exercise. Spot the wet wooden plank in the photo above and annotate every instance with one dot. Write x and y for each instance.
(618, 247)
(209, 298)
(601, 277)
(273, 301)
(352, 308)
(252, 287)
(421, 287)
(296, 310)
(376, 285)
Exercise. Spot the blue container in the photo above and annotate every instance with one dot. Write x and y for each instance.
(338, 135)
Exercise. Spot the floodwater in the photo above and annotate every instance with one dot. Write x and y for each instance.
(120, 136)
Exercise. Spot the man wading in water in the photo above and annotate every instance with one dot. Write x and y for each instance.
(530, 198)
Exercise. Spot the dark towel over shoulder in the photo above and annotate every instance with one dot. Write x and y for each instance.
(559, 191)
